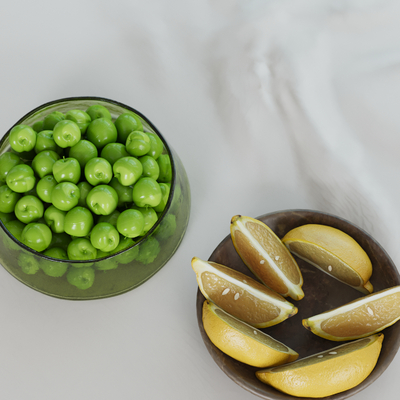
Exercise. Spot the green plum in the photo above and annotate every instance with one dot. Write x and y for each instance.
(102, 200)
(165, 190)
(55, 219)
(84, 188)
(21, 178)
(15, 227)
(81, 118)
(53, 268)
(167, 227)
(150, 166)
(65, 196)
(98, 111)
(78, 222)
(31, 192)
(98, 171)
(66, 133)
(156, 145)
(146, 193)
(26, 156)
(82, 278)
(102, 254)
(44, 161)
(104, 237)
(126, 123)
(148, 250)
(81, 249)
(150, 217)
(110, 218)
(58, 253)
(127, 255)
(22, 138)
(164, 162)
(130, 223)
(83, 151)
(113, 152)
(45, 187)
(8, 199)
(28, 263)
(7, 162)
(106, 265)
(61, 240)
(124, 192)
(51, 120)
(7, 217)
(29, 209)
(45, 141)
(36, 236)
(37, 126)
(67, 170)
(127, 170)
(102, 131)
(137, 144)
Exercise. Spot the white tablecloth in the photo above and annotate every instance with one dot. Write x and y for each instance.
(271, 105)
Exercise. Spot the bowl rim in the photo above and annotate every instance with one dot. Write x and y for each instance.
(254, 390)
(152, 126)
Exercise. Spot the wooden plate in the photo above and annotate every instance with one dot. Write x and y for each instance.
(321, 293)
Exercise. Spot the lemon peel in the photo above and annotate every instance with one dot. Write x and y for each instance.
(242, 341)
(327, 373)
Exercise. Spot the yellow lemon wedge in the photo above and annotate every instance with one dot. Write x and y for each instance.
(243, 342)
(266, 256)
(240, 295)
(359, 318)
(333, 252)
(327, 373)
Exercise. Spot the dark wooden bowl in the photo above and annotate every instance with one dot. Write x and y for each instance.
(321, 293)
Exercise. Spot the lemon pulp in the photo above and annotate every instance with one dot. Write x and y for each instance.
(266, 256)
(242, 341)
(241, 295)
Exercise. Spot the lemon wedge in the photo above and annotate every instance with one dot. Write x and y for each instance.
(333, 252)
(243, 342)
(327, 373)
(240, 295)
(266, 256)
(362, 317)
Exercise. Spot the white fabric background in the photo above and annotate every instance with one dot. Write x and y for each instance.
(271, 105)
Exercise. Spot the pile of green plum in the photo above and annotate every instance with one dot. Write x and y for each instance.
(83, 179)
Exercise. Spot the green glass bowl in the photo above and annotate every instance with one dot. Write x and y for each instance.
(120, 272)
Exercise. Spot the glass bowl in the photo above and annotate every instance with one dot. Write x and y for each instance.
(321, 293)
(122, 271)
